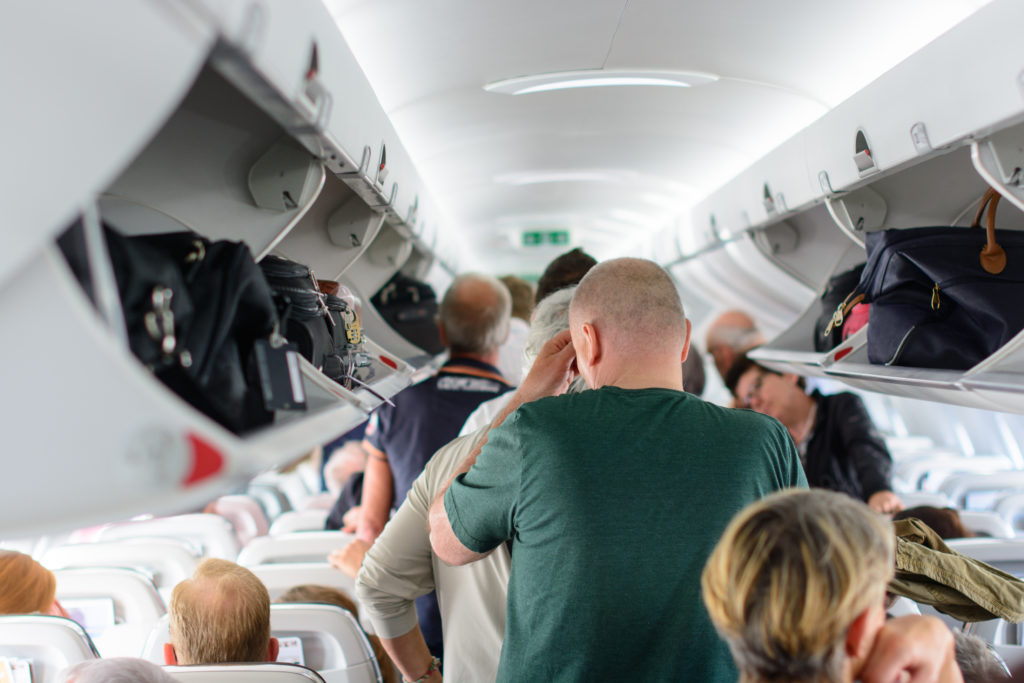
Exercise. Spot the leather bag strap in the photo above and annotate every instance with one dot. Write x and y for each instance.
(992, 257)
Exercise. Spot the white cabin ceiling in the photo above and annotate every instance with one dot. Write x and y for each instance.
(613, 165)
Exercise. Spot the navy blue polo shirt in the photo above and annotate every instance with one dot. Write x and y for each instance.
(428, 415)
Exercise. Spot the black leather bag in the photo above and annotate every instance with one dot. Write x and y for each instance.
(942, 297)
(194, 310)
(303, 311)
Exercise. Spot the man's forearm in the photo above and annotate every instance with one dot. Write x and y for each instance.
(411, 655)
(378, 493)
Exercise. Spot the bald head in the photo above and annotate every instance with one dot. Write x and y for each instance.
(474, 314)
(729, 335)
(634, 304)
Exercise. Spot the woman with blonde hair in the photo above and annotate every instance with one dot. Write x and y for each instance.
(796, 587)
(27, 587)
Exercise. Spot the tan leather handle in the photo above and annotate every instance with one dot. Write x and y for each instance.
(992, 257)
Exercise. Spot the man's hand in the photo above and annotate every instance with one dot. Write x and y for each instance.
(885, 502)
(912, 649)
(350, 558)
(552, 371)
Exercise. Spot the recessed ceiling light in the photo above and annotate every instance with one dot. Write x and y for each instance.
(595, 78)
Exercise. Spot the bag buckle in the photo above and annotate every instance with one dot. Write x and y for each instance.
(159, 322)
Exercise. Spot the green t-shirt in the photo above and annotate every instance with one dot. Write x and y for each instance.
(614, 499)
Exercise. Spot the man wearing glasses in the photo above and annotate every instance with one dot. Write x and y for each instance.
(839, 446)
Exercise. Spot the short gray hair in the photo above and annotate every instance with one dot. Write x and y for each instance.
(474, 314)
(116, 670)
(550, 317)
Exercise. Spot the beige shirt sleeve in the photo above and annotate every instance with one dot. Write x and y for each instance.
(397, 569)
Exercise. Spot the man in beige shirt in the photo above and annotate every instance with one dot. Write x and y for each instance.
(400, 566)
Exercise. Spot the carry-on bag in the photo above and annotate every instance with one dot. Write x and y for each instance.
(194, 311)
(941, 297)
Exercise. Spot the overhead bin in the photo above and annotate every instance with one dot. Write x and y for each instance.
(917, 147)
(209, 116)
(78, 109)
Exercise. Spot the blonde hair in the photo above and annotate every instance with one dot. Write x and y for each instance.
(789, 576)
(25, 585)
(221, 614)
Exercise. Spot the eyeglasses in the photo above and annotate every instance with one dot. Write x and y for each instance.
(755, 388)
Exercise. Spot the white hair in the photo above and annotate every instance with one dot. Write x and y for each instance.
(550, 317)
(116, 670)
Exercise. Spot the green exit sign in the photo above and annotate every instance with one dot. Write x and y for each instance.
(536, 238)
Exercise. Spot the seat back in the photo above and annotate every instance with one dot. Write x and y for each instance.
(269, 672)
(280, 577)
(51, 644)
(245, 515)
(166, 560)
(1005, 554)
(332, 642)
(980, 491)
(212, 534)
(1011, 508)
(294, 520)
(918, 498)
(296, 487)
(270, 498)
(137, 605)
(302, 546)
(986, 524)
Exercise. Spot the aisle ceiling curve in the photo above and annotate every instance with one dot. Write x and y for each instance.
(613, 166)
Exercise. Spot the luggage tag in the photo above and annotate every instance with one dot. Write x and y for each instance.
(280, 376)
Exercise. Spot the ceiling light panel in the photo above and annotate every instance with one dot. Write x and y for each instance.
(597, 78)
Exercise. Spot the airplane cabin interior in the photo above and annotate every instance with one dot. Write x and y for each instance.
(754, 150)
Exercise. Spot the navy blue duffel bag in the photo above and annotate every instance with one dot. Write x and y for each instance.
(942, 297)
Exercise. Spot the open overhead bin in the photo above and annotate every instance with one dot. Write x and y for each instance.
(241, 121)
(917, 147)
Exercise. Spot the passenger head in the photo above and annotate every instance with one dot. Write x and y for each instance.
(549, 318)
(26, 587)
(568, 269)
(221, 614)
(117, 670)
(729, 335)
(943, 521)
(627, 321)
(328, 595)
(764, 390)
(977, 661)
(322, 595)
(796, 586)
(522, 296)
(474, 314)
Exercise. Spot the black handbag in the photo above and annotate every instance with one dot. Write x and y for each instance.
(303, 312)
(826, 335)
(942, 297)
(194, 310)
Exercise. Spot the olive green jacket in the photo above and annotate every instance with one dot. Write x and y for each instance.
(931, 573)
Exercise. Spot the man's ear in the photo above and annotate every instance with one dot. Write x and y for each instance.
(592, 344)
(686, 343)
(170, 656)
(861, 634)
(273, 647)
